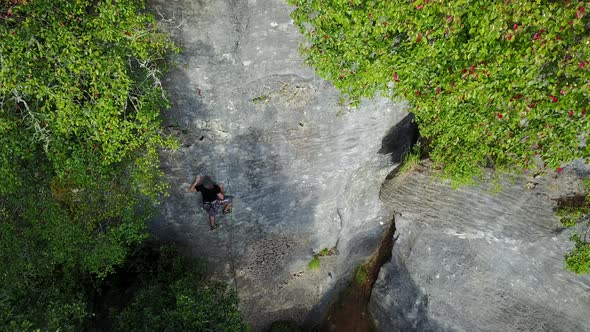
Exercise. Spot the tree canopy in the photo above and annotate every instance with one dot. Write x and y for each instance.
(80, 103)
(500, 83)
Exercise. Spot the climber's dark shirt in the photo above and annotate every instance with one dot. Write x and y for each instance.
(209, 195)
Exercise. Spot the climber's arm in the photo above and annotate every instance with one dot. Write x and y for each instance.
(193, 187)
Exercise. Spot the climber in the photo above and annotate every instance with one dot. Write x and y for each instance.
(214, 197)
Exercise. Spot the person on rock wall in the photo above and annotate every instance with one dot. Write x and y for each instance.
(214, 198)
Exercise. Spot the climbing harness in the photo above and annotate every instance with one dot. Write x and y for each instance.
(215, 205)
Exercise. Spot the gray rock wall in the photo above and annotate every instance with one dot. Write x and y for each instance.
(482, 258)
(306, 170)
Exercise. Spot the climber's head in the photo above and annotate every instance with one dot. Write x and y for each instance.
(208, 182)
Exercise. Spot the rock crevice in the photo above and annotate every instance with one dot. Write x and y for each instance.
(480, 258)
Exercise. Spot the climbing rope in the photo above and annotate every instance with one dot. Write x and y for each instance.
(231, 241)
(230, 247)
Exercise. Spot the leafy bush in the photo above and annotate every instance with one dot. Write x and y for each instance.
(578, 259)
(571, 211)
(80, 99)
(411, 158)
(502, 84)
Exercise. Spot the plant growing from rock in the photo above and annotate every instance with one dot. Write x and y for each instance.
(411, 158)
(572, 211)
(578, 259)
(315, 261)
(314, 264)
(360, 274)
(501, 84)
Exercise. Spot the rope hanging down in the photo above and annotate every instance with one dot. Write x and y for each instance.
(229, 247)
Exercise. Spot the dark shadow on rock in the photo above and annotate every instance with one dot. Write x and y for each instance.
(316, 314)
(398, 304)
(400, 138)
(365, 246)
(407, 312)
(186, 101)
(272, 218)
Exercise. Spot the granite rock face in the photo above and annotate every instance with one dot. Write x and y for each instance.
(483, 258)
(305, 169)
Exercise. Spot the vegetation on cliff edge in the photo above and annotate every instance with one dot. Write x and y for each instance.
(502, 84)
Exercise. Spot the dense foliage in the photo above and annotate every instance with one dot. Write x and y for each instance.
(492, 83)
(578, 259)
(159, 289)
(80, 99)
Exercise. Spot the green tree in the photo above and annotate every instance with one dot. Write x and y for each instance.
(80, 98)
(500, 83)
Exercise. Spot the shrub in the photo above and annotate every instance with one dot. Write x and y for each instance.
(578, 259)
(572, 210)
(411, 158)
(502, 84)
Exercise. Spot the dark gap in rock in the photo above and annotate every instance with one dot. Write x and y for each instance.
(575, 201)
(201, 138)
(349, 310)
(400, 138)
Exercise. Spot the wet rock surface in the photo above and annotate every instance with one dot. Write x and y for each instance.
(305, 169)
(480, 258)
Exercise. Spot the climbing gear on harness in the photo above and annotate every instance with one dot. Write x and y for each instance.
(215, 205)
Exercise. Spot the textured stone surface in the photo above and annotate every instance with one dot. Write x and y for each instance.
(483, 258)
(306, 170)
